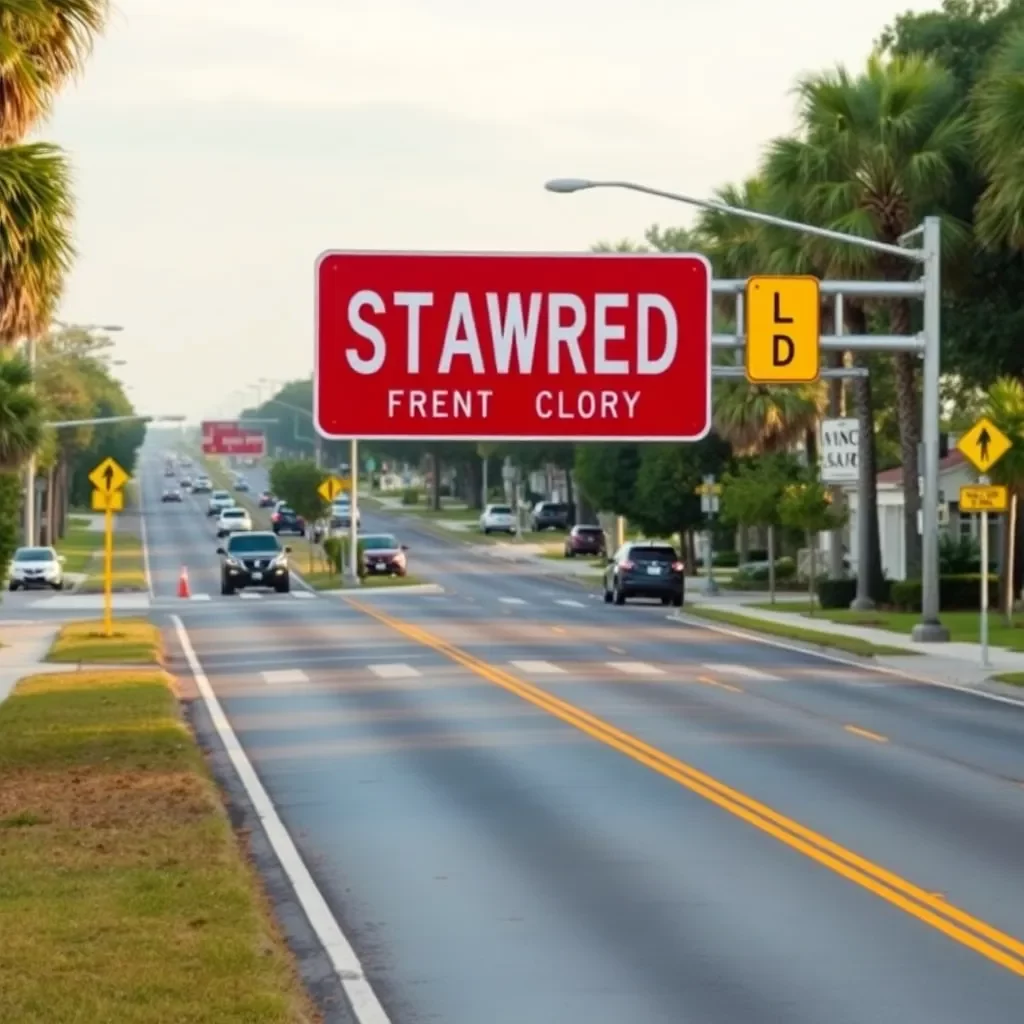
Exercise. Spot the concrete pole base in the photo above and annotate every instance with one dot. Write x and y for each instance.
(711, 587)
(930, 633)
(862, 604)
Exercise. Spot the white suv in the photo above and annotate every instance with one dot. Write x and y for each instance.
(233, 520)
(36, 567)
(498, 519)
(219, 501)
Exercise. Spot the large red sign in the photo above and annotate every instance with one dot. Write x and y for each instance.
(488, 346)
(230, 437)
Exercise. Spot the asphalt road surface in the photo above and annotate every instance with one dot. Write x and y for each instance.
(523, 804)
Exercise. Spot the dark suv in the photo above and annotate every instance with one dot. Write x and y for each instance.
(254, 560)
(285, 519)
(550, 515)
(644, 569)
(585, 540)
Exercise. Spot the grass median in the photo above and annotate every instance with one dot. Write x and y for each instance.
(849, 644)
(80, 545)
(132, 642)
(125, 895)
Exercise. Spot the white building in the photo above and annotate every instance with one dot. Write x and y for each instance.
(954, 472)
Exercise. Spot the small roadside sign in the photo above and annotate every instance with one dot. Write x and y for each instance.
(102, 501)
(984, 498)
(984, 445)
(331, 488)
(108, 477)
(706, 490)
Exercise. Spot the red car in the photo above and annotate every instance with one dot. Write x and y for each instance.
(585, 540)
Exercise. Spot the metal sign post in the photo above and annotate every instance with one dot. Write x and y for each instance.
(709, 505)
(926, 344)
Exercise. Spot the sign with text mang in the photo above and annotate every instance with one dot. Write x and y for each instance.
(494, 346)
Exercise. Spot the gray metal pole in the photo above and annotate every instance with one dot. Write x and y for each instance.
(353, 527)
(930, 629)
(30, 467)
(835, 551)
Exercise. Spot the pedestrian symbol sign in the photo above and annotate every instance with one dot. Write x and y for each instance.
(984, 445)
(108, 477)
(331, 488)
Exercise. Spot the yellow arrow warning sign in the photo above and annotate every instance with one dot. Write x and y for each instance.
(108, 477)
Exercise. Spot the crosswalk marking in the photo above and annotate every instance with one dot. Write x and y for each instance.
(635, 668)
(285, 675)
(537, 667)
(201, 597)
(394, 671)
(245, 595)
(511, 600)
(569, 603)
(303, 594)
(740, 670)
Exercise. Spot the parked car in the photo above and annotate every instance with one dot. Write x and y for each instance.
(285, 519)
(254, 560)
(383, 554)
(585, 540)
(644, 569)
(36, 567)
(171, 494)
(233, 520)
(219, 501)
(550, 515)
(498, 519)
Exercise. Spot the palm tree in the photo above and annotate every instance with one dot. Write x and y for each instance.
(762, 419)
(21, 430)
(42, 44)
(876, 153)
(999, 129)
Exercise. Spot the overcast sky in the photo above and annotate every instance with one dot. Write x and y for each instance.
(220, 145)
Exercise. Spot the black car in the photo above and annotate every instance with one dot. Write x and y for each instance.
(585, 540)
(286, 520)
(550, 515)
(645, 569)
(254, 560)
(267, 500)
(171, 494)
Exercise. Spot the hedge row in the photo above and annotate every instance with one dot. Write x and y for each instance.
(956, 593)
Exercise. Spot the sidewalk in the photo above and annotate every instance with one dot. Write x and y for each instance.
(27, 645)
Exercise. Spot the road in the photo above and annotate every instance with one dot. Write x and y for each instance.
(522, 804)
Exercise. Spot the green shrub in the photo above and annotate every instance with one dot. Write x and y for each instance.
(956, 593)
(410, 496)
(841, 593)
(336, 549)
(752, 572)
(726, 559)
(790, 586)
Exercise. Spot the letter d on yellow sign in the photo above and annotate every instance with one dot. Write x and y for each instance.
(783, 330)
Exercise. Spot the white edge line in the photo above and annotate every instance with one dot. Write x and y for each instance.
(346, 963)
(696, 620)
(144, 538)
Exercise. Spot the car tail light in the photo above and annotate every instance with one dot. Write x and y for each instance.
(626, 565)
(678, 567)
(274, 518)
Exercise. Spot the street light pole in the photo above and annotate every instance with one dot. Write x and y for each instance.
(929, 629)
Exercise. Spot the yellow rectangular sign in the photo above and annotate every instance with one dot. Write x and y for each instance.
(104, 502)
(707, 489)
(984, 498)
(783, 329)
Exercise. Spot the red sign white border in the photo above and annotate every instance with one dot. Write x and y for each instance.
(504, 438)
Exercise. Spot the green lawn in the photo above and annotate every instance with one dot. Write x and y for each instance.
(79, 545)
(1013, 678)
(129, 571)
(851, 645)
(126, 896)
(134, 642)
(962, 626)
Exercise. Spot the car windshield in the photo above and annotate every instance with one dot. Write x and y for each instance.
(35, 555)
(500, 510)
(381, 542)
(653, 554)
(286, 510)
(220, 495)
(251, 543)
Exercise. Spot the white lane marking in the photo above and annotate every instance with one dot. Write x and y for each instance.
(568, 603)
(741, 670)
(394, 671)
(511, 600)
(201, 597)
(285, 675)
(246, 596)
(303, 594)
(144, 537)
(635, 668)
(347, 966)
(537, 667)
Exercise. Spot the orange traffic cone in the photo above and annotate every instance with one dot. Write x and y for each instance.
(183, 588)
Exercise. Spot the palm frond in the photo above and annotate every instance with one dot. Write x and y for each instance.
(21, 430)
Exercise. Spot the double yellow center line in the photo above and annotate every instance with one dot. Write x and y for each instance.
(957, 924)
